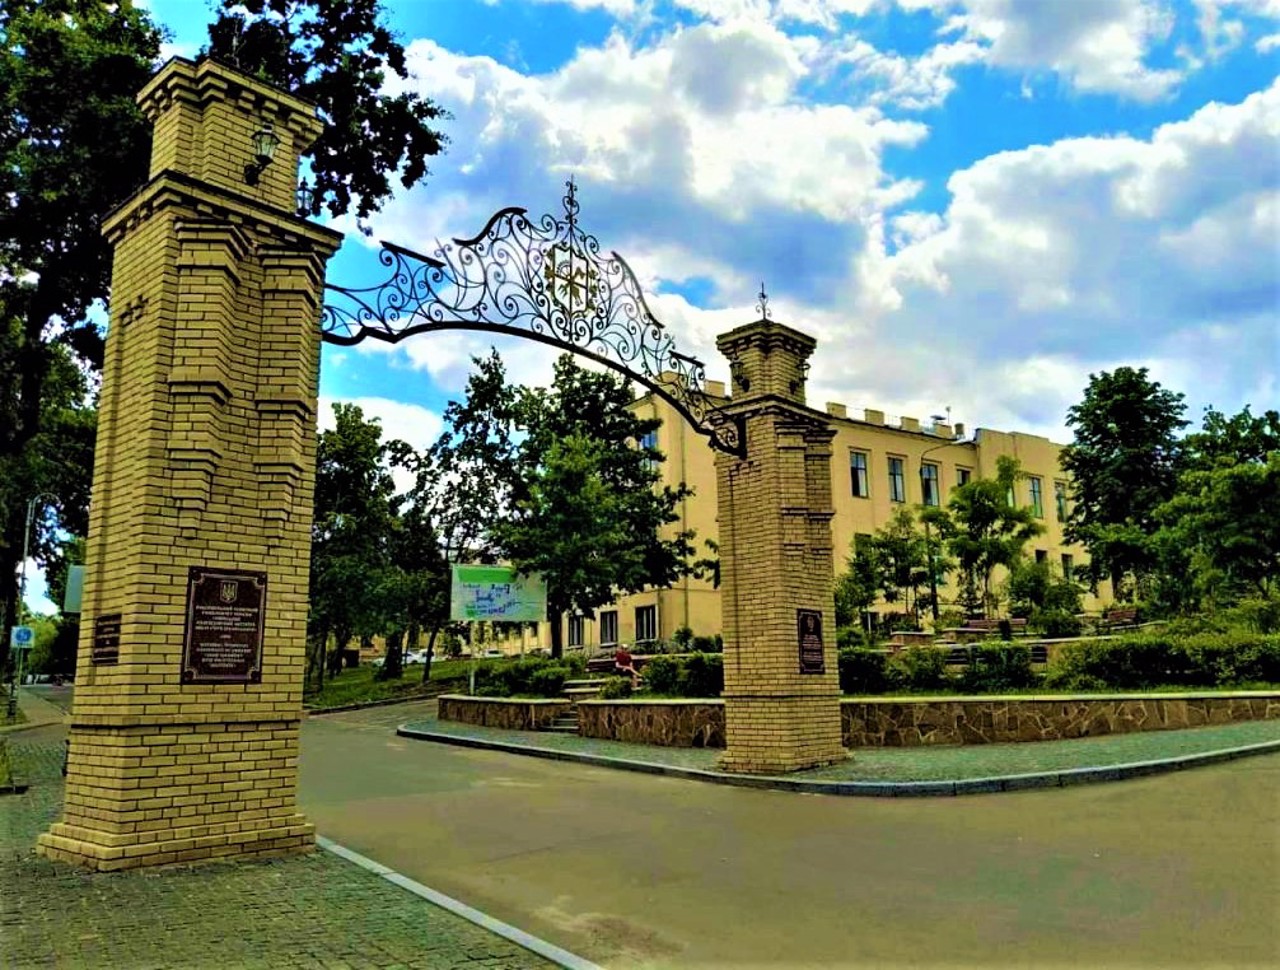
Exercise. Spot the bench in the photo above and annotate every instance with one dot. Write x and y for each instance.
(980, 629)
(605, 664)
(1125, 616)
(962, 656)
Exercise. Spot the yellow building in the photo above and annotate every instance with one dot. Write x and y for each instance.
(878, 465)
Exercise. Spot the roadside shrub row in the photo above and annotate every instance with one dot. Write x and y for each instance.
(1139, 662)
(526, 677)
(695, 675)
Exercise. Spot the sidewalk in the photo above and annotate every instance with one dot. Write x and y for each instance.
(37, 712)
(314, 911)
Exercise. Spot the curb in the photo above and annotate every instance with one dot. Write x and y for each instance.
(548, 951)
(388, 702)
(873, 789)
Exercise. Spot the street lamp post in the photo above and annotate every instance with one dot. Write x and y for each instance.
(22, 582)
(928, 534)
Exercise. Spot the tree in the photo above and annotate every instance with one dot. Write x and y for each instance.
(859, 585)
(984, 531)
(903, 558)
(1239, 439)
(351, 535)
(337, 55)
(1124, 464)
(462, 486)
(588, 512)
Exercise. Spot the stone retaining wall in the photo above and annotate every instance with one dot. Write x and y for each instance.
(512, 714)
(668, 723)
(895, 722)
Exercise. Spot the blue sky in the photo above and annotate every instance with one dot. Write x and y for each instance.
(948, 193)
(971, 204)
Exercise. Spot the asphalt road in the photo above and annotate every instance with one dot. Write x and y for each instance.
(636, 871)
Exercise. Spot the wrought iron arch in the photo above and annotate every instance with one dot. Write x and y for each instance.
(544, 279)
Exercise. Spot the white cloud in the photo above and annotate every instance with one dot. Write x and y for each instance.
(1087, 253)
(410, 423)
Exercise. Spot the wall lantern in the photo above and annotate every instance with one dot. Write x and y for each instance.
(265, 142)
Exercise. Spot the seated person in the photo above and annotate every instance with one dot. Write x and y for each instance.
(623, 664)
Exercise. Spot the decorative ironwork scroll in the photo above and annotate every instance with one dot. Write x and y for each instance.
(544, 279)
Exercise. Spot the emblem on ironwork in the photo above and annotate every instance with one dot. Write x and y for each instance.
(541, 278)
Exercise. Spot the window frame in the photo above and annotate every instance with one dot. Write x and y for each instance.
(608, 618)
(1060, 499)
(650, 612)
(577, 633)
(937, 484)
(1036, 486)
(963, 475)
(857, 474)
(898, 494)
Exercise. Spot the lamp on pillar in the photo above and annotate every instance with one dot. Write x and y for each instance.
(265, 142)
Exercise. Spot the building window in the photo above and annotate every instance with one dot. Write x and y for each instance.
(576, 625)
(649, 441)
(897, 481)
(929, 484)
(609, 626)
(962, 476)
(646, 623)
(858, 479)
(1041, 555)
(1060, 499)
(1068, 567)
(1037, 498)
(1010, 498)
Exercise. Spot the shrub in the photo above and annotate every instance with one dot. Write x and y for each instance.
(662, 675)
(862, 670)
(682, 637)
(535, 676)
(702, 676)
(1056, 624)
(615, 688)
(918, 668)
(548, 681)
(707, 644)
(949, 619)
(853, 637)
(1157, 660)
(996, 667)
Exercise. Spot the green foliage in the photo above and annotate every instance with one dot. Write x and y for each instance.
(337, 56)
(1056, 624)
(997, 667)
(983, 531)
(615, 688)
(863, 670)
(703, 644)
(1124, 465)
(525, 677)
(682, 637)
(918, 669)
(662, 675)
(587, 506)
(853, 636)
(859, 585)
(1145, 661)
(702, 676)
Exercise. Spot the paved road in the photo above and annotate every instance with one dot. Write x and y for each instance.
(633, 870)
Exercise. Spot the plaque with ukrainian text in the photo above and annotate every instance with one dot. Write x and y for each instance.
(106, 639)
(226, 613)
(809, 635)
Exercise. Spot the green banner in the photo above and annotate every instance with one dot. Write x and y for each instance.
(496, 593)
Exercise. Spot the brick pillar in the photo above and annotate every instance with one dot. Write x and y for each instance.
(184, 733)
(782, 691)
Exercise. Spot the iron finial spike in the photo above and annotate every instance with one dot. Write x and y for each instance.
(763, 305)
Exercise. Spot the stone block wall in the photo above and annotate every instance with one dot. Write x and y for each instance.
(511, 714)
(670, 724)
(989, 720)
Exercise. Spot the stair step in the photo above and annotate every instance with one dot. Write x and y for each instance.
(589, 682)
(563, 729)
(582, 691)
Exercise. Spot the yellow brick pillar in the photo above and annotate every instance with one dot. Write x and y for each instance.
(184, 733)
(781, 686)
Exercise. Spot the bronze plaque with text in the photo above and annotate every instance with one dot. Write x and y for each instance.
(106, 639)
(809, 633)
(226, 611)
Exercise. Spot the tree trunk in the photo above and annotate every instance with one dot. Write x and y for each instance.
(557, 634)
(431, 649)
(393, 663)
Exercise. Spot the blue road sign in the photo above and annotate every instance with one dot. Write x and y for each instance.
(22, 637)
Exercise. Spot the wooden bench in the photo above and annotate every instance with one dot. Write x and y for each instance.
(605, 665)
(1125, 616)
(981, 629)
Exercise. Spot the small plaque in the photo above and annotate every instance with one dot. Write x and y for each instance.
(226, 612)
(809, 634)
(106, 639)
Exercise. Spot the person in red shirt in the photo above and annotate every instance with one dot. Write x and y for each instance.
(623, 664)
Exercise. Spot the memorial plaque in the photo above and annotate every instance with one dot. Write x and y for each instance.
(226, 611)
(106, 639)
(809, 634)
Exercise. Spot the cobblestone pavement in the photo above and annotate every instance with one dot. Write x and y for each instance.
(310, 911)
(933, 763)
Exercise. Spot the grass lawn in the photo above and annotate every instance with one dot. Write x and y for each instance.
(6, 773)
(358, 686)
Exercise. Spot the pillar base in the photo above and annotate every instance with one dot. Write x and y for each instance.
(106, 851)
(771, 734)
